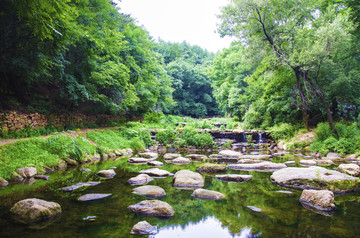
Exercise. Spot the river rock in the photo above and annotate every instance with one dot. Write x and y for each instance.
(325, 162)
(197, 157)
(180, 160)
(156, 172)
(3, 182)
(106, 173)
(307, 162)
(150, 155)
(71, 162)
(141, 179)
(154, 208)
(333, 155)
(215, 157)
(143, 228)
(79, 185)
(212, 168)
(187, 178)
(315, 178)
(171, 156)
(319, 199)
(351, 169)
(155, 163)
(150, 191)
(207, 194)
(85, 170)
(230, 154)
(234, 177)
(259, 166)
(15, 177)
(290, 163)
(249, 161)
(138, 160)
(34, 210)
(27, 172)
(43, 177)
(93, 196)
(255, 157)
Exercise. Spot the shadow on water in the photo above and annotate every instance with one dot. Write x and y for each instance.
(278, 214)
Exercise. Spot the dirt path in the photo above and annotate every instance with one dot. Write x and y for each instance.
(72, 133)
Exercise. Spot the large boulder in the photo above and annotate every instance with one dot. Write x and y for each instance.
(34, 210)
(143, 228)
(212, 168)
(234, 177)
(319, 199)
(257, 166)
(150, 191)
(351, 169)
(187, 178)
(79, 185)
(315, 178)
(156, 172)
(207, 194)
(171, 156)
(27, 172)
(93, 196)
(154, 208)
(141, 179)
(109, 173)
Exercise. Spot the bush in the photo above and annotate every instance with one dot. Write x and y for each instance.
(153, 117)
(189, 137)
(323, 131)
(283, 131)
(166, 136)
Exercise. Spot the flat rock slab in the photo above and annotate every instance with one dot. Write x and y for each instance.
(187, 178)
(156, 172)
(79, 185)
(258, 166)
(138, 160)
(207, 194)
(155, 163)
(43, 177)
(230, 153)
(197, 157)
(171, 156)
(109, 173)
(318, 199)
(350, 169)
(143, 228)
(315, 178)
(307, 162)
(141, 179)
(150, 155)
(34, 210)
(249, 161)
(149, 191)
(93, 196)
(212, 168)
(180, 160)
(290, 163)
(325, 162)
(255, 209)
(234, 177)
(255, 157)
(154, 208)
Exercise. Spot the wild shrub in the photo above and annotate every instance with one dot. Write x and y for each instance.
(166, 136)
(283, 131)
(190, 137)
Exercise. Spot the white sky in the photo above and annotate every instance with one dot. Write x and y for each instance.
(193, 21)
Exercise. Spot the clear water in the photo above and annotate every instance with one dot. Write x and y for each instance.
(281, 214)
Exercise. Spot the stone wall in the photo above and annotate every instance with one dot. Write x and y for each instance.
(15, 121)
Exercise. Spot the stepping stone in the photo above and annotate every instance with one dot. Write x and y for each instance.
(187, 178)
(93, 196)
(318, 199)
(230, 153)
(212, 168)
(325, 162)
(150, 191)
(255, 157)
(138, 160)
(150, 155)
(43, 177)
(197, 157)
(207, 194)
(79, 185)
(259, 166)
(171, 156)
(141, 179)
(156, 172)
(350, 169)
(154, 208)
(290, 163)
(307, 162)
(106, 173)
(143, 228)
(180, 160)
(249, 161)
(155, 163)
(234, 177)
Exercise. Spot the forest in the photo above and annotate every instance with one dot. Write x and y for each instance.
(293, 63)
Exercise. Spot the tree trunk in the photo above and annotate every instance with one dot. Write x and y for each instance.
(303, 100)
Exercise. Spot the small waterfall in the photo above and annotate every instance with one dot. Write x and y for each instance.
(260, 138)
(243, 139)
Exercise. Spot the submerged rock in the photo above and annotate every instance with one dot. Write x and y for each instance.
(171, 156)
(187, 178)
(106, 173)
(143, 228)
(234, 177)
(34, 210)
(154, 208)
(315, 178)
(27, 172)
(93, 196)
(319, 199)
(351, 169)
(155, 172)
(255, 209)
(207, 194)
(78, 185)
(212, 168)
(141, 179)
(259, 166)
(150, 191)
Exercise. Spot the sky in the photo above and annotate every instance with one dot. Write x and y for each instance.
(193, 21)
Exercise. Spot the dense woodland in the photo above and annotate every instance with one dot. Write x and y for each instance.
(293, 62)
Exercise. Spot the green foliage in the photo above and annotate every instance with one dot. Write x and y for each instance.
(323, 132)
(190, 137)
(166, 136)
(283, 131)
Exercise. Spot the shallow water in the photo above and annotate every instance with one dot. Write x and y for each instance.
(281, 213)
